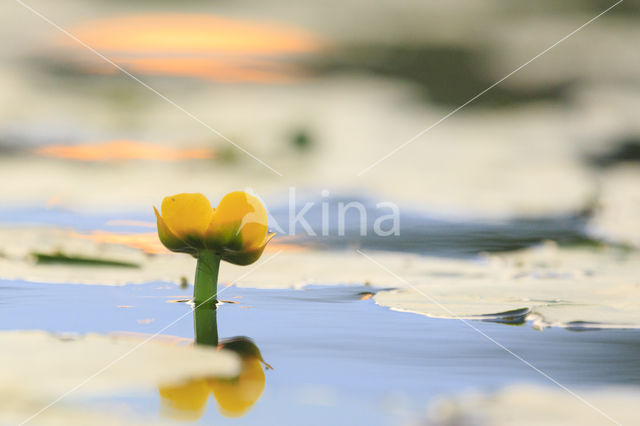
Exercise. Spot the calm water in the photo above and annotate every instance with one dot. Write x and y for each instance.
(335, 357)
(423, 232)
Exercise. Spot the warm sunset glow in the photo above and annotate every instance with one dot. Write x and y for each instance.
(181, 33)
(202, 46)
(149, 242)
(123, 150)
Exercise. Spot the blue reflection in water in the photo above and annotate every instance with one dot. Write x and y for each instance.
(336, 357)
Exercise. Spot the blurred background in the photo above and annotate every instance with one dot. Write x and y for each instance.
(318, 93)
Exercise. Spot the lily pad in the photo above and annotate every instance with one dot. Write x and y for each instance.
(43, 365)
(619, 206)
(549, 285)
(580, 287)
(534, 405)
(37, 368)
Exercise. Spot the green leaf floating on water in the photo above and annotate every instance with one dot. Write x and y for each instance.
(73, 260)
(538, 405)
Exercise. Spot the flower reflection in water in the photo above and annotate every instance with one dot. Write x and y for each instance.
(186, 401)
(236, 396)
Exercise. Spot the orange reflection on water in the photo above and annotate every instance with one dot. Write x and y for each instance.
(123, 150)
(149, 242)
(203, 46)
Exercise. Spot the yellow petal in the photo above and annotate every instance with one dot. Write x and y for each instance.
(186, 401)
(246, 257)
(239, 223)
(236, 397)
(187, 216)
(168, 239)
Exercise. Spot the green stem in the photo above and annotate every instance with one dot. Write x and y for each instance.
(205, 325)
(205, 298)
(206, 283)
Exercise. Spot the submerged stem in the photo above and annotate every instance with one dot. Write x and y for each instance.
(206, 282)
(205, 324)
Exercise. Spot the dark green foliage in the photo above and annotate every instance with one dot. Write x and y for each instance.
(72, 260)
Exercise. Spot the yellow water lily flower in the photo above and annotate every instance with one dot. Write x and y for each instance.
(236, 230)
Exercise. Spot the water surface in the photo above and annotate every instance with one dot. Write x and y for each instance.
(336, 357)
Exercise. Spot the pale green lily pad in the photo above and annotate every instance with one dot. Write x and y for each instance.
(36, 368)
(14, 410)
(43, 365)
(534, 405)
(303, 267)
(18, 245)
(566, 287)
(619, 206)
(559, 287)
